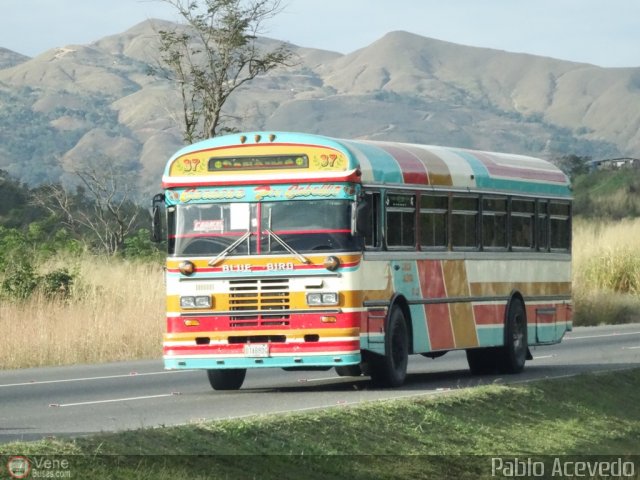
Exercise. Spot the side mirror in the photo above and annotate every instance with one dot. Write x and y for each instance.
(157, 206)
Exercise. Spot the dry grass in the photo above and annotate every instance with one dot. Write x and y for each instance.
(606, 271)
(117, 309)
(116, 313)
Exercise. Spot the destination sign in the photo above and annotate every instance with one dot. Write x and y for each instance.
(270, 162)
(400, 201)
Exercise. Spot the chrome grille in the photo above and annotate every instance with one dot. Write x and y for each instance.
(256, 298)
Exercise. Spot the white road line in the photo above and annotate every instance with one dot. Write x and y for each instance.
(601, 336)
(631, 348)
(543, 356)
(86, 379)
(96, 402)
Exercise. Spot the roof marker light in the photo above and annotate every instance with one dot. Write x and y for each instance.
(272, 137)
(243, 138)
(257, 138)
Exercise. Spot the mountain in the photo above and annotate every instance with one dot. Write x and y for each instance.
(9, 58)
(90, 104)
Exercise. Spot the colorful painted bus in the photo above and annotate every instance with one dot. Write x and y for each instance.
(299, 251)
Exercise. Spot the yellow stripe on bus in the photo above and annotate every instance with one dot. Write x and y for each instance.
(290, 334)
(464, 325)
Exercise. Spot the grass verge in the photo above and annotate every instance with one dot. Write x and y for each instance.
(116, 312)
(606, 272)
(454, 435)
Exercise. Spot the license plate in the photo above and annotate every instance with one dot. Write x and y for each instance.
(256, 350)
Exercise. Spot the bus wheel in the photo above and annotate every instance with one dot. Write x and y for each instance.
(226, 379)
(514, 352)
(349, 371)
(390, 370)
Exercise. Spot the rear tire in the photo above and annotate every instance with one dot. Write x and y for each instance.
(226, 379)
(514, 352)
(511, 357)
(390, 370)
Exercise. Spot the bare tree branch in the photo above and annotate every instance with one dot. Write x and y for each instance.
(213, 55)
(104, 206)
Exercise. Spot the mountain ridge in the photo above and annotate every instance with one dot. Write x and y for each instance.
(98, 101)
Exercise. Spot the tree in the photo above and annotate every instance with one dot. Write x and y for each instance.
(214, 54)
(573, 165)
(103, 205)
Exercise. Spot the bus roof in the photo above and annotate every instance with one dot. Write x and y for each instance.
(263, 157)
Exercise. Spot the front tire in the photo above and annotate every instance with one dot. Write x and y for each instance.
(390, 370)
(227, 379)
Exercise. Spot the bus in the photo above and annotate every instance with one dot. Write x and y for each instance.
(302, 252)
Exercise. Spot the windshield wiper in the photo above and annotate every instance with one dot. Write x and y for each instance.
(284, 245)
(229, 249)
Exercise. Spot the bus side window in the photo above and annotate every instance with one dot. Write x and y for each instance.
(368, 219)
(401, 220)
(542, 225)
(560, 225)
(433, 221)
(522, 216)
(494, 223)
(464, 222)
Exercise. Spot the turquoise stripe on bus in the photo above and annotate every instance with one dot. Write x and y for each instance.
(382, 165)
(490, 336)
(484, 180)
(175, 363)
(407, 282)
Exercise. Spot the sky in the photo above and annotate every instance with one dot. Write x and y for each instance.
(600, 32)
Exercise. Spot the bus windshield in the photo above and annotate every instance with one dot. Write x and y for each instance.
(305, 226)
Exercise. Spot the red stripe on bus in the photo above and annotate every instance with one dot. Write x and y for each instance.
(277, 232)
(524, 173)
(413, 170)
(489, 314)
(296, 323)
(438, 316)
(274, 348)
(210, 180)
(437, 168)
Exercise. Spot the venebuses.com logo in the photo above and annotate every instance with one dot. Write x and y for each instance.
(19, 467)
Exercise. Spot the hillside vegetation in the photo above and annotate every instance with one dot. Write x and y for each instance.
(78, 103)
(608, 194)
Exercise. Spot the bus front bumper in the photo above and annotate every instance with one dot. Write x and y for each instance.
(226, 362)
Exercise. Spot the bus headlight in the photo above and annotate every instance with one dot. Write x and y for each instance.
(326, 298)
(200, 301)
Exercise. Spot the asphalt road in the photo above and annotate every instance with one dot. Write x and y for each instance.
(84, 399)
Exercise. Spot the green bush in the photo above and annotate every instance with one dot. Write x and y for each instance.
(57, 284)
(140, 246)
(20, 281)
